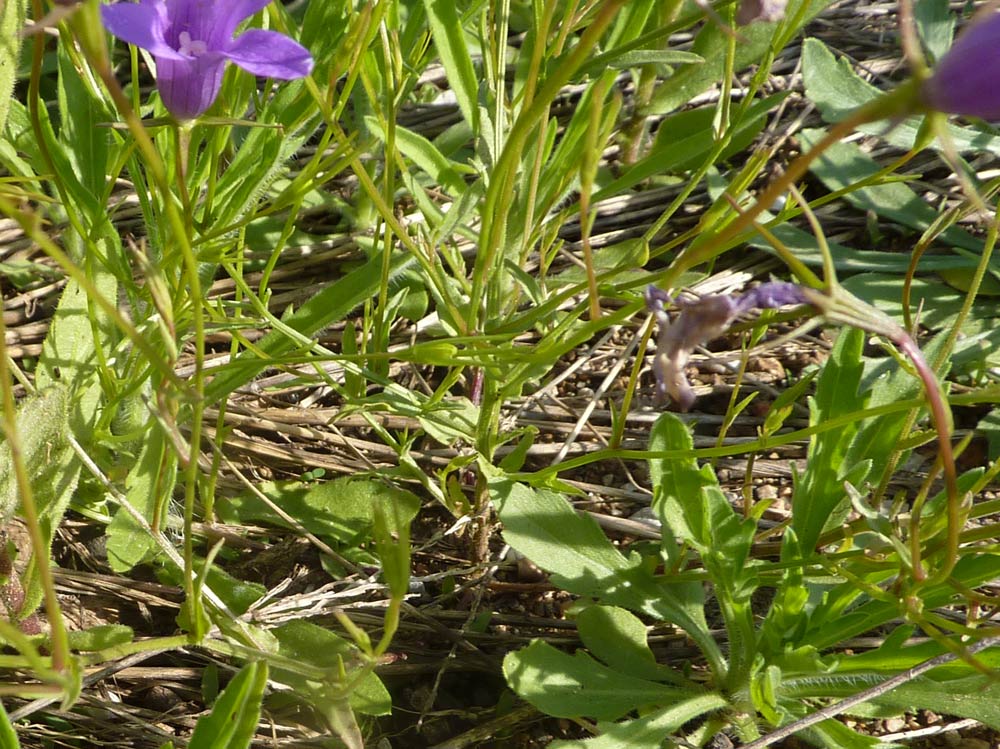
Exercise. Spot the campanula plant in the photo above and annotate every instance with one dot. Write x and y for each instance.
(190, 241)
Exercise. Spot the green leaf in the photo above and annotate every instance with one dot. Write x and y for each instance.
(8, 736)
(302, 641)
(630, 253)
(577, 686)
(11, 24)
(42, 426)
(148, 487)
(843, 165)
(648, 731)
(691, 503)
(935, 25)
(819, 490)
(804, 246)
(684, 139)
(542, 526)
(839, 618)
(938, 303)
(887, 382)
(392, 541)
(100, 637)
(342, 509)
(835, 735)
(79, 112)
(837, 91)
(234, 717)
(425, 156)
(975, 696)
(449, 39)
(655, 57)
(618, 638)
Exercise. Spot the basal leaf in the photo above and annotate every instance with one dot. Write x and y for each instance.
(710, 44)
(342, 509)
(331, 304)
(233, 720)
(542, 526)
(8, 736)
(844, 165)
(79, 111)
(693, 506)
(318, 646)
(837, 90)
(618, 638)
(577, 686)
(647, 731)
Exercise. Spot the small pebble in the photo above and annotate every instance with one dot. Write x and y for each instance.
(767, 491)
(894, 725)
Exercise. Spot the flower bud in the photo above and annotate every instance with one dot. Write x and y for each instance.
(967, 80)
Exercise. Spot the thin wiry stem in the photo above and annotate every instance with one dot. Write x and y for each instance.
(831, 711)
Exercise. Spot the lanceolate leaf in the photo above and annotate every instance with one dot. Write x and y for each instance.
(648, 731)
(233, 720)
(819, 490)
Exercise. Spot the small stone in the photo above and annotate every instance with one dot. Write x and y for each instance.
(767, 491)
(894, 725)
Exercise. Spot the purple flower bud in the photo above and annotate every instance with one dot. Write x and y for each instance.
(965, 81)
(699, 322)
(191, 40)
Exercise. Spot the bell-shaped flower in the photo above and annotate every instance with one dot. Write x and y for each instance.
(191, 40)
(966, 79)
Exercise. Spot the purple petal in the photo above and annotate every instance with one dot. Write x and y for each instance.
(270, 55)
(965, 81)
(771, 295)
(210, 21)
(189, 86)
(699, 322)
(141, 24)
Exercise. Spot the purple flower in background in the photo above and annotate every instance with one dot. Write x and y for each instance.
(699, 322)
(191, 40)
(965, 81)
(767, 11)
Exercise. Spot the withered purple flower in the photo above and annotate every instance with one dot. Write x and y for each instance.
(965, 80)
(767, 11)
(191, 41)
(700, 321)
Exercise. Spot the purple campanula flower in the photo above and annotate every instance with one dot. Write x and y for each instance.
(191, 40)
(966, 79)
(700, 321)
